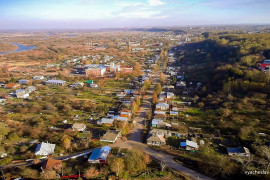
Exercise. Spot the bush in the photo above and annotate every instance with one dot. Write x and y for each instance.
(5, 161)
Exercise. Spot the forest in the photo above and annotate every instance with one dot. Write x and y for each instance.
(235, 93)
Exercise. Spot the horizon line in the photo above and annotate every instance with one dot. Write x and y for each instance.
(135, 27)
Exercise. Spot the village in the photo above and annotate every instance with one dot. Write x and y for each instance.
(83, 110)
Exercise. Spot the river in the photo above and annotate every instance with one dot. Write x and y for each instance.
(20, 48)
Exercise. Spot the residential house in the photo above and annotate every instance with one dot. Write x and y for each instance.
(95, 71)
(169, 95)
(105, 121)
(267, 61)
(162, 106)
(55, 82)
(126, 103)
(23, 81)
(30, 89)
(123, 119)
(19, 91)
(114, 68)
(22, 95)
(89, 82)
(173, 113)
(156, 140)
(162, 95)
(167, 133)
(121, 94)
(126, 114)
(78, 127)
(93, 86)
(155, 122)
(38, 78)
(164, 125)
(12, 86)
(169, 88)
(160, 116)
(189, 145)
(134, 50)
(44, 149)
(77, 85)
(129, 91)
(127, 69)
(99, 155)
(162, 132)
(238, 151)
(110, 136)
(2, 101)
(181, 85)
(111, 113)
(160, 112)
(100, 48)
(134, 44)
(79, 70)
(264, 66)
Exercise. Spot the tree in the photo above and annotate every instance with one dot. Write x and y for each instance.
(116, 165)
(66, 142)
(4, 130)
(134, 107)
(90, 172)
(135, 161)
(162, 77)
(195, 99)
(212, 162)
(137, 68)
(5, 161)
(161, 54)
(245, 132)
(30, 173)
(158, 88)
(154, 98)
(50, 174)
(204, 89)
(146, 85)
(201, 104)
(174, 80)
(125, 130)
(224, 112)
(13, 136)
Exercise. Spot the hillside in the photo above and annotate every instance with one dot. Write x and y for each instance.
(235, 94)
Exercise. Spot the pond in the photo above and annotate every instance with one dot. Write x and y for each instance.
(20, 48)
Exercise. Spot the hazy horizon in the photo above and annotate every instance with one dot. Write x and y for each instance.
(100, 14)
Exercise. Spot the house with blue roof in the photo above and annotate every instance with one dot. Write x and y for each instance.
(189, 145)
(238, 151)
(99, 155)
(23, 81)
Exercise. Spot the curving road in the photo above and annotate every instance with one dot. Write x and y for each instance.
(135, 140)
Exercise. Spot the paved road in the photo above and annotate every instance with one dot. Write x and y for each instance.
(160, 156)
(135, 139)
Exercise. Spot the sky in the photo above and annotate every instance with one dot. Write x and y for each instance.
(94, 14)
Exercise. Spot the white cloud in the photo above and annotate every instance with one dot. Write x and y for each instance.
(156, 2)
